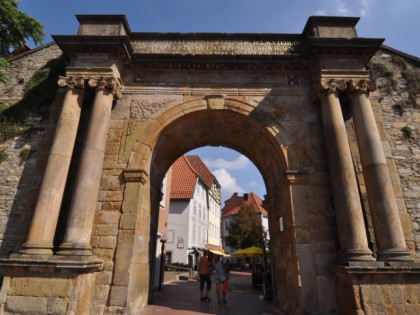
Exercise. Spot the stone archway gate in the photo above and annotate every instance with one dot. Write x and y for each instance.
(276, 98)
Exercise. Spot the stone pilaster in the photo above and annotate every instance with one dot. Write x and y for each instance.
(385, 216)
(350, 223)
(79, 226)
(45, 217)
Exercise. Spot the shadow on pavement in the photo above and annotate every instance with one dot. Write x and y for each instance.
(183, 297)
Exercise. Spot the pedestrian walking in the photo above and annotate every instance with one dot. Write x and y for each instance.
(220, 279)
(204, 270)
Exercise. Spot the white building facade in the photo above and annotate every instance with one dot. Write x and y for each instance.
(194, 212)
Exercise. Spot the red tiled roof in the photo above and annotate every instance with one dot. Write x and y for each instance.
(185, 172)
(233, 205)
(200, 169)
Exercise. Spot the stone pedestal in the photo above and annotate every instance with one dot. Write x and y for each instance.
(378, 289)
(47, 286)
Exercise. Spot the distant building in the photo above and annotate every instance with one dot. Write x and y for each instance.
(232, 207)
(162, 234)
(194, 211)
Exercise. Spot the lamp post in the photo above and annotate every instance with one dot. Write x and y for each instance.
(268, 292)
(162, 261)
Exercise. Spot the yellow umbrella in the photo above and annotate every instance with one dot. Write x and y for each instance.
(218, 252)
(252, 251)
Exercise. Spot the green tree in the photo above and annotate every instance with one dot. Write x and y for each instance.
(246, 229)
(16, 28)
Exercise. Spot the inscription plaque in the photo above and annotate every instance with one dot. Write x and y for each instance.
(215, 47)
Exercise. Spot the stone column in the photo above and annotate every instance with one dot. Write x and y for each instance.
(47, 209)
(385, 216)
(350, 223)
(82, 209)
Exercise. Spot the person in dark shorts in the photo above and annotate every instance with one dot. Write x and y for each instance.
(204, 270)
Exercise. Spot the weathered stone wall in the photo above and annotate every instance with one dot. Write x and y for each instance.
(116, 238)
(398, 80)
(23, 68)
(395, 107)
(22, 171)
(370, 291)
(28, 293)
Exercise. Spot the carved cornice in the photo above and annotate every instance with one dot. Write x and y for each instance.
(290, 63)
(135, 175)
(356, 48)
(72, 82)
(361, 86)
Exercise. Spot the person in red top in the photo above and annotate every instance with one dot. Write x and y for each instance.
(204, 270)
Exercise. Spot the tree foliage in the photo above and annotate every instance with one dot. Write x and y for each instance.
(16, 28)
(246, 229)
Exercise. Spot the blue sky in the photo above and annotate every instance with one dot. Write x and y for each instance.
(396, 21)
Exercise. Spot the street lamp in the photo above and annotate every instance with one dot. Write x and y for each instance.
(162, 261)
(268, 292)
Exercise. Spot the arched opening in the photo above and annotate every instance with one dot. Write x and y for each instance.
(250, 131)
(202, 193)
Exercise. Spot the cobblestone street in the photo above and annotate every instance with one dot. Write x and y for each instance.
(183, 297)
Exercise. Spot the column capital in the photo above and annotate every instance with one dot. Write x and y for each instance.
(361, 86)
(72, 82)
(328, 86)
(110, 83)
(332, 86)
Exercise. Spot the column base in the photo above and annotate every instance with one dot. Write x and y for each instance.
(34, 263)
(37, 248)
(74, 249)
(395, 254)
(355, 255)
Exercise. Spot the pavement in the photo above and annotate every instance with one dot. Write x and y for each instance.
(181, 297)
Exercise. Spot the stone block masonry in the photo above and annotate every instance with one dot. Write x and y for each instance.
(339, 159)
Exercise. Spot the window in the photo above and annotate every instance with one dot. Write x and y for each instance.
(194, 233)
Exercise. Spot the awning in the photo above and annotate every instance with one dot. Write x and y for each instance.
(218, 252)
(252, 251)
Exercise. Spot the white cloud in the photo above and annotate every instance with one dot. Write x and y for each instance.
(341, 8)
(334, 7)
(228, 182)
(239, 163)
(254, 184)
(320, 12)
(365, 6)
